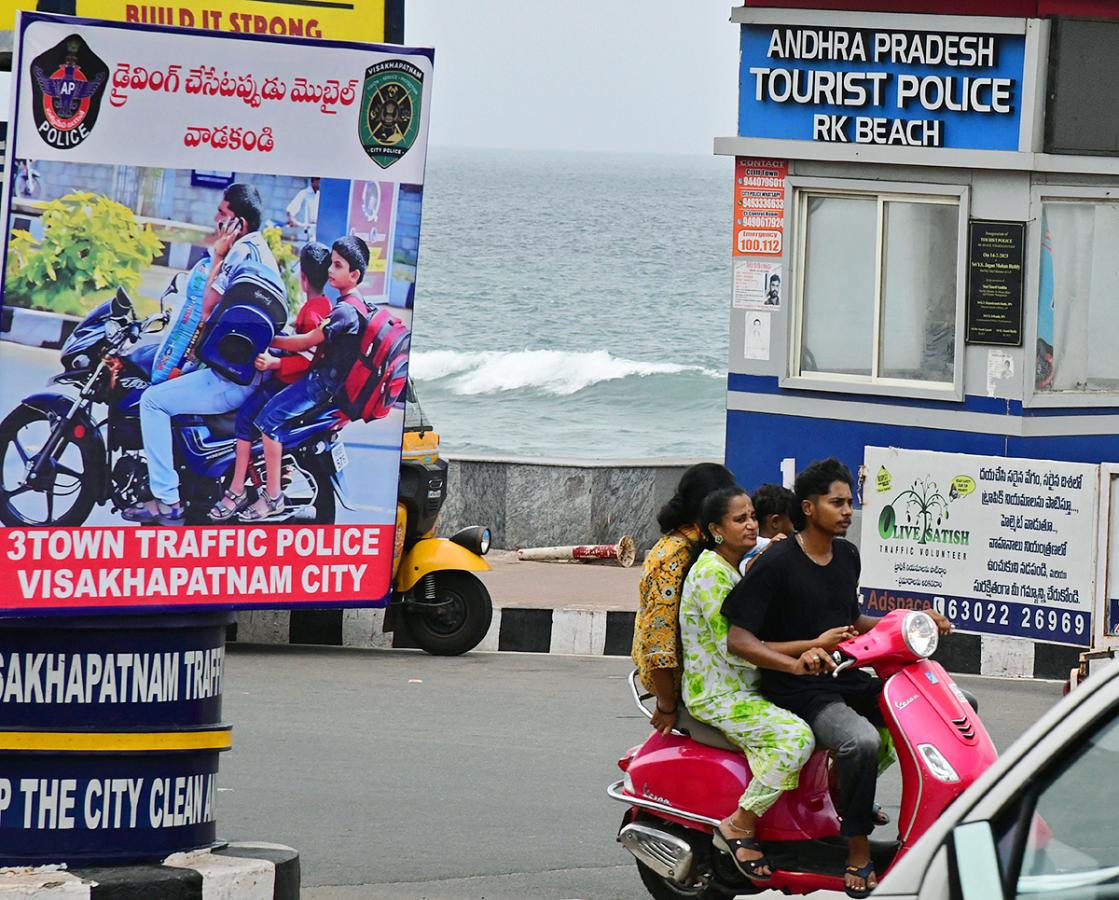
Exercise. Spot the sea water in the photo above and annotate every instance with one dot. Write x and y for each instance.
(574, 305)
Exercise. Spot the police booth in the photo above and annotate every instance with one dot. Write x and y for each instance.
(925, 225)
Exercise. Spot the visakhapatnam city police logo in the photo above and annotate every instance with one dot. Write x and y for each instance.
(390, 110)
(67, 83)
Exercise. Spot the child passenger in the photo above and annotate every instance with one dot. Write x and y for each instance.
(340, 335)
(314, 266)
(773, 506)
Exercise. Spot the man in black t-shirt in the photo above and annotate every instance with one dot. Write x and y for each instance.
(796, 590)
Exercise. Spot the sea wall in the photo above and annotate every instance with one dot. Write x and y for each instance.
(540, 503)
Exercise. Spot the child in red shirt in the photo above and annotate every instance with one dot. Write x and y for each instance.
(314, 267)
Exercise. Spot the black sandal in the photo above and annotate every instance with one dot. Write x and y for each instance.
(863, 872)
(748, 867)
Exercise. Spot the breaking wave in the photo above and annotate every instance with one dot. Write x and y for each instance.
(555, 372)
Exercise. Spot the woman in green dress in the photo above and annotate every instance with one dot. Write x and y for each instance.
(723, 690)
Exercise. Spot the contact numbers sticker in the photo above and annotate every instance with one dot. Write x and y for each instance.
(999, 545)
(991, 616)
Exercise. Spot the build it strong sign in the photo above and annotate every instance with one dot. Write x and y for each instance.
(881, 86)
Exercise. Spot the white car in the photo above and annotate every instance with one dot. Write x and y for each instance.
(1041, 823)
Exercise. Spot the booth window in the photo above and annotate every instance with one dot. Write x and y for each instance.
(878, 287)
(1078, 281)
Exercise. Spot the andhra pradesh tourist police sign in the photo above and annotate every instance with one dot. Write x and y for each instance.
(126, 114)
(881, 86)
(1002, 546)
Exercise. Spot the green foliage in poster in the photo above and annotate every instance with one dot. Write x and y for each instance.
(288, 262)
(90, 245)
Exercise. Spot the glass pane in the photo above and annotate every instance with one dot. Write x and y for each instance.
(1071, 848)
(919, 291)
(1078, 319)
(839, 285)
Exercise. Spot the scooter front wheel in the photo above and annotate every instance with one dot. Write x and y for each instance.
(453, 615)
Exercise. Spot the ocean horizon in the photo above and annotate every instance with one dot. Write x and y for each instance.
(574, 304)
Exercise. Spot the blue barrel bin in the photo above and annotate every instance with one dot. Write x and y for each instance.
(110, 731)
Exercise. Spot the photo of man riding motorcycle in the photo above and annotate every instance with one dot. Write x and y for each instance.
(151, 426)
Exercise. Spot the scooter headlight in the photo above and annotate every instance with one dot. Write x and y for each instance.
(920, 633)
(476, 539)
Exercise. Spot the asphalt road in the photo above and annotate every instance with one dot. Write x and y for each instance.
(404, 776)
(372, 496)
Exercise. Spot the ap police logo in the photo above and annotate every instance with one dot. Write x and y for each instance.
(67, 83)
(390, 110)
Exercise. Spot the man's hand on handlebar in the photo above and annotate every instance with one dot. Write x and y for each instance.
(815, 661)
(833, 637)
(942, 623)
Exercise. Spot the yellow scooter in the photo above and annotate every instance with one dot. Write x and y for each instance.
(444, 606)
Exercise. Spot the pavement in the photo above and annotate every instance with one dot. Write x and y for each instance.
(560, 585)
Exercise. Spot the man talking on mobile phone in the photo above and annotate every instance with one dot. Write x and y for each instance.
(240, 248)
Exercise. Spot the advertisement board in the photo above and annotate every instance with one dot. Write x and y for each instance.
(361, 20)
(148, 311)
(1000, 546)
(881, 86)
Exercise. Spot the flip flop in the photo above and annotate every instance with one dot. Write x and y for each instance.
(731, 846)
(880, 816)
(863, 872)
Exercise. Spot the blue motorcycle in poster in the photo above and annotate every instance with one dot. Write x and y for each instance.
(63, 453)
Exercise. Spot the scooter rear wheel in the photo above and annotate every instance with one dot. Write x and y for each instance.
(663, 889)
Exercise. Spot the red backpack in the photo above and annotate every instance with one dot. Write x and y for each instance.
(379, 375)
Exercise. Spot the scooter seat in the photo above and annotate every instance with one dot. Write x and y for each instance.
(702, 733)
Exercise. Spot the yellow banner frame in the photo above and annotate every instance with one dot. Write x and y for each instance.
(335, 20)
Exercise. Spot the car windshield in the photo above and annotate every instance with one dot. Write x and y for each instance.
(1071, 849)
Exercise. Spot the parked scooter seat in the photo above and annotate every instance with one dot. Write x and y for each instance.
(702, 733)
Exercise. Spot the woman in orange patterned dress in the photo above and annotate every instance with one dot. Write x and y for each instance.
(656, 628)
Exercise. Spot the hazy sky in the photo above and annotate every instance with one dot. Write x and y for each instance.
(630, 75)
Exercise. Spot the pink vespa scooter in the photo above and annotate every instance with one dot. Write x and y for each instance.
(679, 787)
